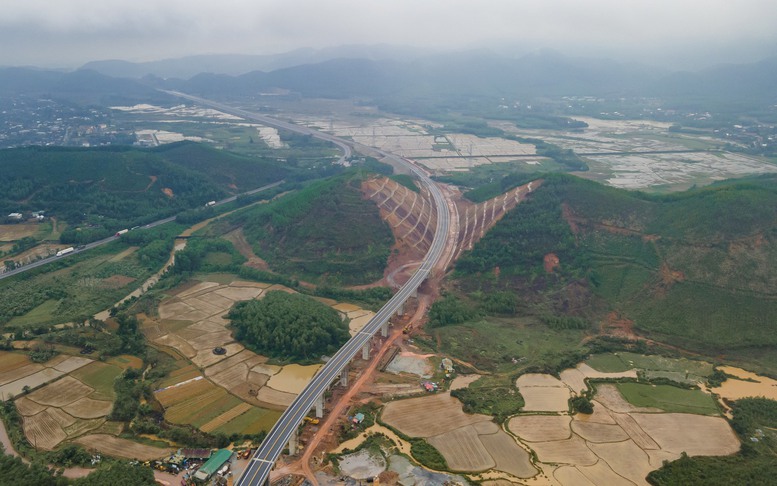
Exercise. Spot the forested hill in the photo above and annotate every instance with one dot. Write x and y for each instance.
(697, 269)
(325, 233)
(105, 189)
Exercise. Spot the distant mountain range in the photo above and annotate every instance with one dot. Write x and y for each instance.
(237, 64)
(378, 74)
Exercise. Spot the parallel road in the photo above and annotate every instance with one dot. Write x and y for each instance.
(109, 239)
(258, 471)
(344, 145)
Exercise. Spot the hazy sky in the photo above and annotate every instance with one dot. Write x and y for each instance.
(67, 33)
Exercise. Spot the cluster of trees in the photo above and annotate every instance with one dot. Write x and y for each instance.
(754, 464)
(193, 258)
(289, 327)
(521, 240)
(493, 396)
(450, 310)
(98, 191)
(37, 473)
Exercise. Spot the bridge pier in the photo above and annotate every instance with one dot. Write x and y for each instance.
(344, 375)
(293, 442)
(401, 310)
(320, 406)
(366, 351)
(384, 329)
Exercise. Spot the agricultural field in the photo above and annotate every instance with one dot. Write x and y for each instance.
(629, 434)
(234, 392)
(76, 288)
(117, 447)
(634, 427)
(467, 442)
(622, 160)
(65, 408)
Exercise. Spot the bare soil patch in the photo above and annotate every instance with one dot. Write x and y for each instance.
(545, 398)
(700, 435)
(626, 459)
(81, 427)
(600, 416)
(205, 357)
(632, 428)
(600, 473)
(538, 379)
(20, 372)
(43, 430)
(61, 392)
(275, 398)
(63, 418)
(27, 407)
(594, 432)
(509, 456)
(540, 428)
(463, 381)
(178, 343)
(72, 363)
(429, 415)
(116, 281)
(34, 380)
(571, 451)
(14, 232)
(86, 408)
(574, 379)
(11, 361)
(116, 447)
(463, 450)
(571, 476)
(293, 378)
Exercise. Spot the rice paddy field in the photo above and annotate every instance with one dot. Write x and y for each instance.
(633, 429)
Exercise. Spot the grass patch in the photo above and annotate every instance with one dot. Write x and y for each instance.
(99, 376)
(493, 343)
(427, 455)
(42, 313)
(608, 363)
(668, 398)
(217, 258)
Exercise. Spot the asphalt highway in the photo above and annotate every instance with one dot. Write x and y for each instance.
(94, 244)
(263, 460)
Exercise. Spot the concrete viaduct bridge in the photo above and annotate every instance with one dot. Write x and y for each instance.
(284, 432)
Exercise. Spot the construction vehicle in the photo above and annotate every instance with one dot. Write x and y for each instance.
(311, 420)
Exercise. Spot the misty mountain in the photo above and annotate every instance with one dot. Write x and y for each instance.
(474, 73)
(237, 64)
(441, 81)
(81, 86)
(733, 82)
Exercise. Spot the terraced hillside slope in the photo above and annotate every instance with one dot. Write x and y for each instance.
(695, 269)
(412, 218)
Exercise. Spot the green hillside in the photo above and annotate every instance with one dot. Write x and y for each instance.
(98, 191)
(326, 233)
(696, 269)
